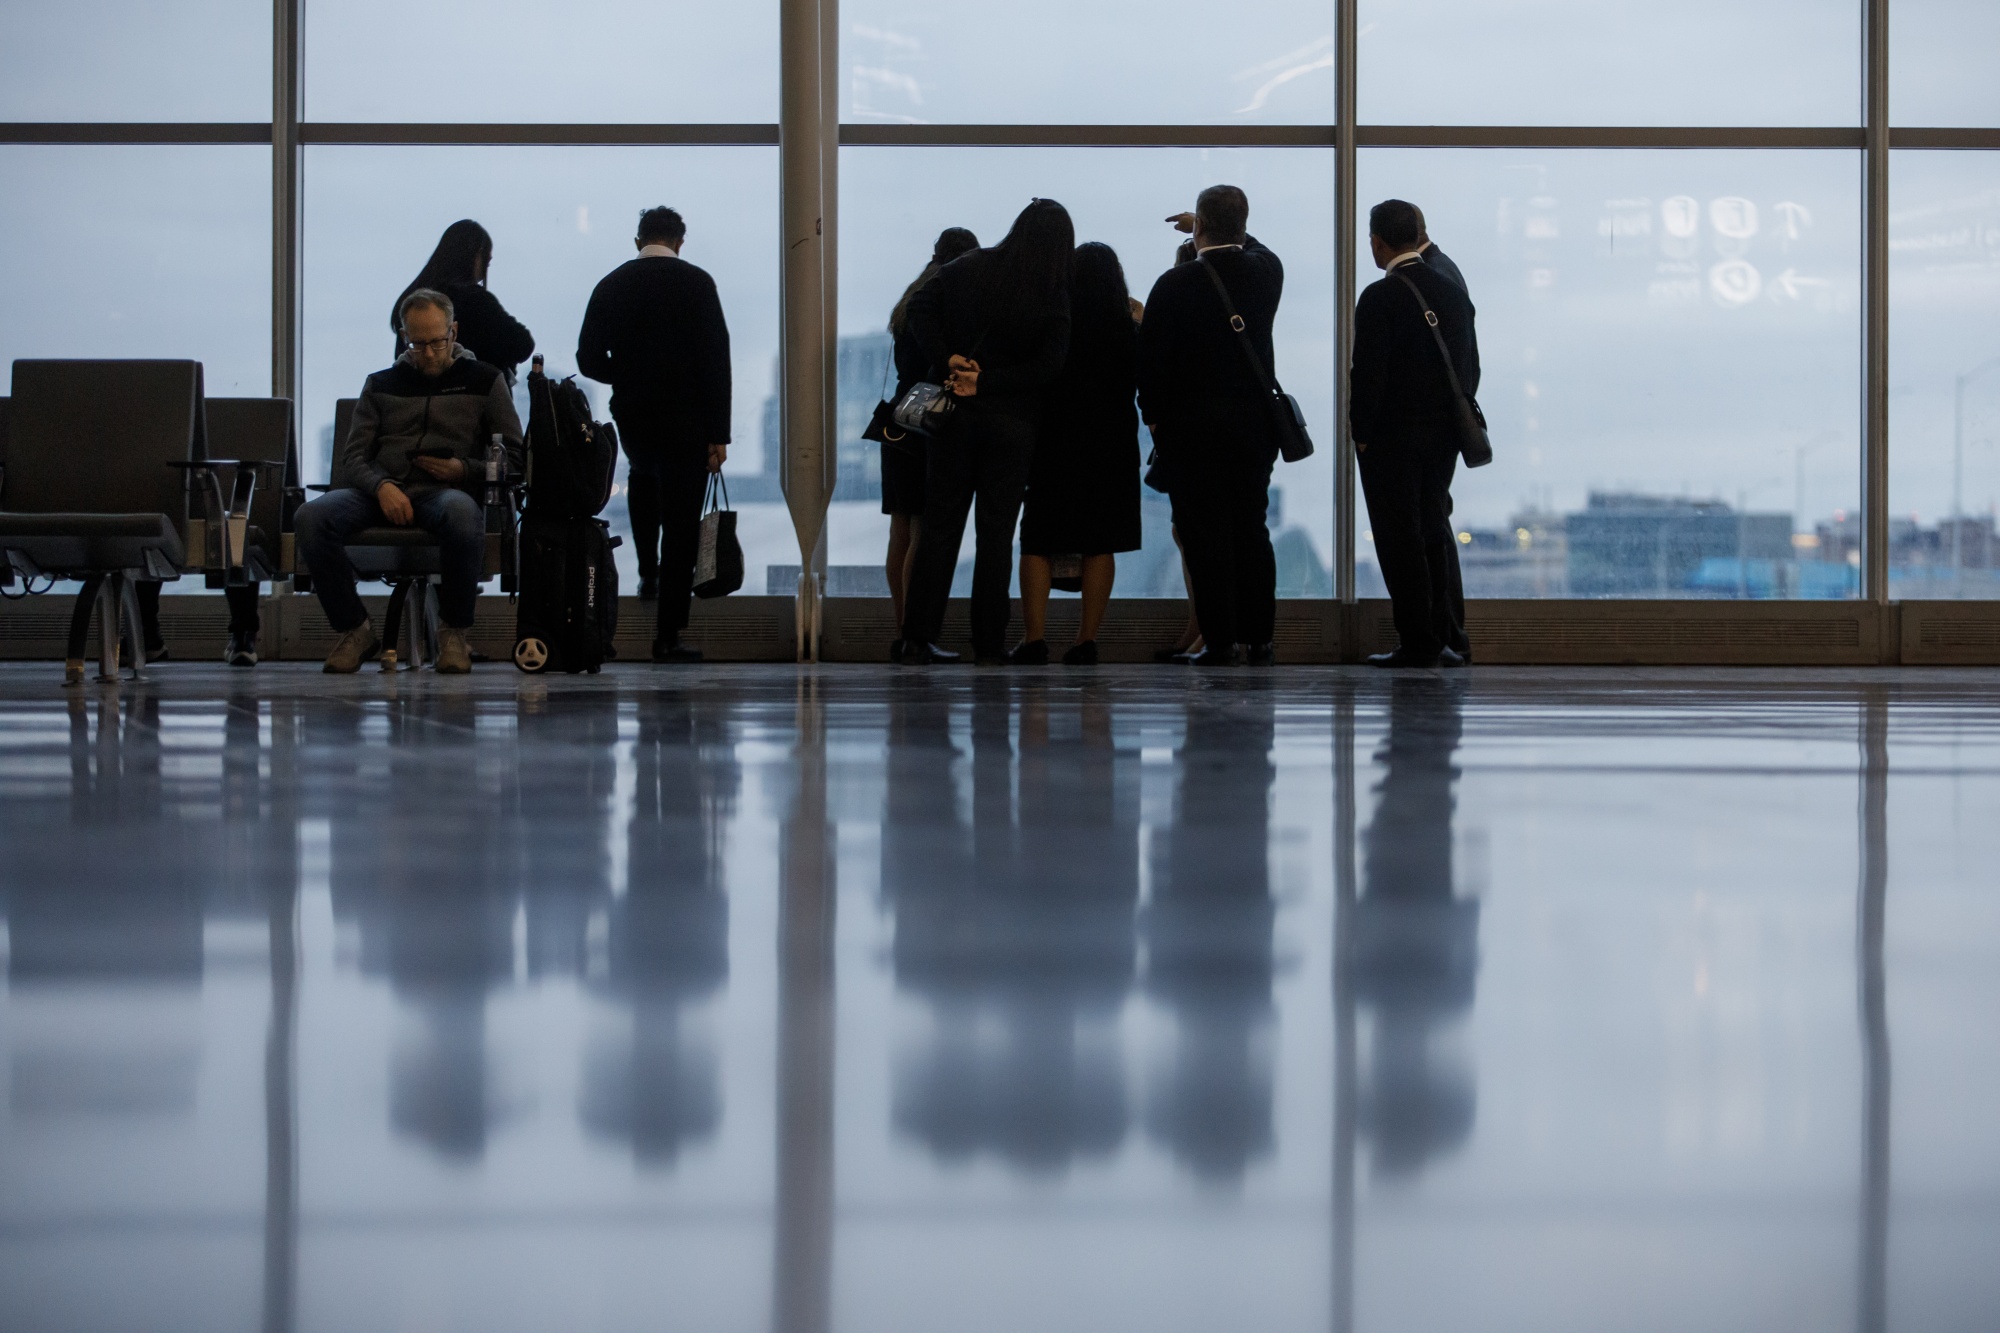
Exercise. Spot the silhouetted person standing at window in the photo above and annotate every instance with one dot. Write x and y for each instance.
(994, 326)
(654, 332)
(458, 268)
(1083, 492)
(1442, 263)
(1211, 416)
(1405, 435)
(903, 464)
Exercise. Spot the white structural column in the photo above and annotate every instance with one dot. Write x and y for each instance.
(287, 82)
(1875, 313)
(807, 146)
(1344, 531)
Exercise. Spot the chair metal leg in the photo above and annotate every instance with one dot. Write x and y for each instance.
(392, 622)
(428, 621)
(79, 630)
(110, 611)
(134, 633)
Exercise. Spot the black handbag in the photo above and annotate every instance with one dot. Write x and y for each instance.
(1475, 446)
(718, 561)
(1294, 443)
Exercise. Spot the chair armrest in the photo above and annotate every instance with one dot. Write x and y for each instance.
(229, 517)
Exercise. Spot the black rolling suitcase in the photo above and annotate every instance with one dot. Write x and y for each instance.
(568, 602)
(568, 611)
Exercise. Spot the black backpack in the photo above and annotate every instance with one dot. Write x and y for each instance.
(571, 458)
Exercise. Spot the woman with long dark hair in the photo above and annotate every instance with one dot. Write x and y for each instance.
(1083, 491)
(458, 268)
(903, 460)
(994, 326)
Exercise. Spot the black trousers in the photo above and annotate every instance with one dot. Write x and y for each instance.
(667, 484)
(1408, 488)
(979, 465)
(243, 616)
(1221, 457)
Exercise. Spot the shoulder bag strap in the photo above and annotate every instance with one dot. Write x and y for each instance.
(1242, 331)
(1430, 318)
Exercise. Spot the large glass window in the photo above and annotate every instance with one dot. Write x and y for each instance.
(517, 61)
(1627, 62)
(97, 60)
(1119, 196)
(1670, 344)
(139, 251)
(1109, 62)
(1944, 375)
(1941, 62)
(561, 218)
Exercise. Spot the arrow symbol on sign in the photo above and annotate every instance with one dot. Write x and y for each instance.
(1792, 284)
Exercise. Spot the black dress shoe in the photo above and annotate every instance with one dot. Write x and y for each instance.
(675, 654)
(918, 653)
(1261, 654)
(1403, 657)
(895, 650)
(1215, 657)
(649, 590)
(1032, 652)
(1081, 654)
(1451, 657)
(1180, 655)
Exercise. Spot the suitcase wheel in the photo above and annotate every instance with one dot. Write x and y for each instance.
(531, 655)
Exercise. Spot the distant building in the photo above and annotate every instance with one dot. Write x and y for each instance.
(1630, 545)
(864, 373)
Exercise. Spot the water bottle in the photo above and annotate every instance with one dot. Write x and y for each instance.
(496, 473)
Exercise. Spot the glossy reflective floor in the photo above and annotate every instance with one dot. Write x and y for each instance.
(866, 1000)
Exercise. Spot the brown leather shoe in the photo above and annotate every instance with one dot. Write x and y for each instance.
(454, 654)
(356, 646)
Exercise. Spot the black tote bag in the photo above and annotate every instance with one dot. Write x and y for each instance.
(718, 561)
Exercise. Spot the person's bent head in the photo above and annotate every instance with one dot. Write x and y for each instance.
(1394, 228)
(1221, 216)
(430, 329)
(1098, 295)
(951, 243)
(660, 226)
(1031, 265)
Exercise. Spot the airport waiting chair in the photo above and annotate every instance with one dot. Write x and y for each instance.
(407, 561)
(100, 458)
(256, 543)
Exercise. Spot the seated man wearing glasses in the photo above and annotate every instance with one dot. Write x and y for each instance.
(415, 455)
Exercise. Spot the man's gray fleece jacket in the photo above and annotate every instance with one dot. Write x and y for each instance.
(403, 412)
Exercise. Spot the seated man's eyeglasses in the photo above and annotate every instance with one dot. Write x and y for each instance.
(429, 344)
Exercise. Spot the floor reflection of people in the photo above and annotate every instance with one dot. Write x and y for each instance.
(1416, 941)
(653, 1085)
(423, 859)
(1208, 935)
(1017, 930)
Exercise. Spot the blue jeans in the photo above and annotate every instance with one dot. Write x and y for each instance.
(325, 525)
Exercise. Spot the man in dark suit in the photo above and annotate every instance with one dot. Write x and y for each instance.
(1401, 413)
(1435, 257)
(654, 332)
(1441, 262)
(1211, 416)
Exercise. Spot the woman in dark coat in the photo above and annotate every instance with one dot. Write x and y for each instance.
(458, 269)
(1083, 493)
(994, 324)
(903, 463)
